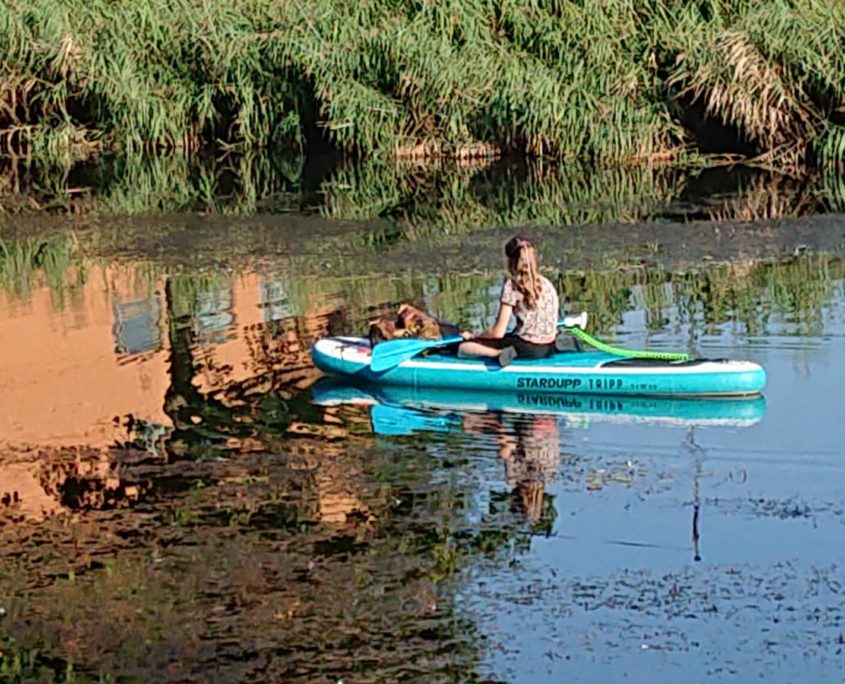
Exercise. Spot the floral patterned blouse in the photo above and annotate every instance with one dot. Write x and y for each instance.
(537, 325)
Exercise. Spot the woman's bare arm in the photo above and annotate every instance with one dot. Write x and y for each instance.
(500, 327)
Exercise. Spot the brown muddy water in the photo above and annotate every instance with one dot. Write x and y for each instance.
(185, 499)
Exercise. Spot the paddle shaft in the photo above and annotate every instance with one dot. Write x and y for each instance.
(391, 353)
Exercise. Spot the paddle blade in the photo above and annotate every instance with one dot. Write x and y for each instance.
(391, 353)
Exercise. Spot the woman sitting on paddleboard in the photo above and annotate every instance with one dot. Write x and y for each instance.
(532, 299)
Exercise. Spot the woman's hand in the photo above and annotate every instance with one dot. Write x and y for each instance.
(468, 335)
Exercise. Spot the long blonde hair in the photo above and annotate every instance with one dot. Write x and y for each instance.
(522, 265)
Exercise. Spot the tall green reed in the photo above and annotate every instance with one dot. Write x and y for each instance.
(605, 81)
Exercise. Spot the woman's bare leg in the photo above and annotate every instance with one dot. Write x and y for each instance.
(469, 350)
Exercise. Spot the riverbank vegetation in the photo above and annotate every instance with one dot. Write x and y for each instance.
(612, 82)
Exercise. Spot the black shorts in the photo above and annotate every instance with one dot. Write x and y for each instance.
(524, 348)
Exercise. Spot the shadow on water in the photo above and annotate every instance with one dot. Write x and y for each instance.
(183, 498)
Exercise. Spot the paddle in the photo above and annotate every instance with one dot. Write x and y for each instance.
(391, 353)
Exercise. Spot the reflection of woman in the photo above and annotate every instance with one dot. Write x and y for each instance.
(529, 446)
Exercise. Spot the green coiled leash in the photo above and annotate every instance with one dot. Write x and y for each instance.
(628, 353)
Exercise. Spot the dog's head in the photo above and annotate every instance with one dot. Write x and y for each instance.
(418, 323)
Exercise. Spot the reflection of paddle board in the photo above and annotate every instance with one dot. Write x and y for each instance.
(408, 409)
(590, 372)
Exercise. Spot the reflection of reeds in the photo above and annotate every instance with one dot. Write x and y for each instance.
(242, 184)
(750, 293)
(746, 292)
(444, 198)
(799, 288)
(28, 263)
(144, 184)
(767, 196)
(421, 199)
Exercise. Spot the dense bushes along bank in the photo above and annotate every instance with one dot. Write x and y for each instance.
(609, 80)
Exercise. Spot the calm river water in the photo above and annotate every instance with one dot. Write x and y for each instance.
(184, 498)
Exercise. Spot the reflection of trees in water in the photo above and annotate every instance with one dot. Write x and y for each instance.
(767, 196)
(747, 292)
(254, 408)
(39, 483)
(236, 578)
(265, 538)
